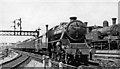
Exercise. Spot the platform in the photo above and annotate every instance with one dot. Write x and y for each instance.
(10, 57)
(34, 63)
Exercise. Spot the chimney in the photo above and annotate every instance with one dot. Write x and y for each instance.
(46, 28)
(86, 23)
(73, 18)
(113, 21)
(105, 23)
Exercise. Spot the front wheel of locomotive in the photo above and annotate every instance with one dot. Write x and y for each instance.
(84, 59)
(53, 55)
(70, 59)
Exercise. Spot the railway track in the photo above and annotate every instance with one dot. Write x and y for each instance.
(13, 64)
(33, 55)
(39, 57)
(18, 64)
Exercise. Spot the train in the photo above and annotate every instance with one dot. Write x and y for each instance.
(26, 45)
(106, 40)
(65, 43)
(33, 45)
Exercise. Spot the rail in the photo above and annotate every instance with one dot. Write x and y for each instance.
(19, 55)
(19, 63)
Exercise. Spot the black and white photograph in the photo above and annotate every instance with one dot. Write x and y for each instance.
(59, 34)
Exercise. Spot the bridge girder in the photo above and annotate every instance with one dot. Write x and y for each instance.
(18, 33)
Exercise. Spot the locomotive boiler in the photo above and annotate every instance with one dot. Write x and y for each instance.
(75, 31)
(66, 42)
(106, 41)
(105, 31)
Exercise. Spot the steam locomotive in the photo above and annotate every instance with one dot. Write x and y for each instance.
(106, 41)
(66, 42)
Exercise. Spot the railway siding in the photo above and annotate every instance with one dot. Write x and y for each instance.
(12, 64)
(12, 56)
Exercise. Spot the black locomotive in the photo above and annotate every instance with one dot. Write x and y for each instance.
(66, 42)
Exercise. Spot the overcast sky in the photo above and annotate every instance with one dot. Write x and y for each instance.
(38, 13)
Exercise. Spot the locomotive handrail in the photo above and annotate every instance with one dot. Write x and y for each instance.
(81, 47)
(98, 40)
(69, 66)
(60, 40)
(102, 40)
(54, 41)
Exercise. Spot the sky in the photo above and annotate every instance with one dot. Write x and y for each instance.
(37, 13)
